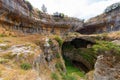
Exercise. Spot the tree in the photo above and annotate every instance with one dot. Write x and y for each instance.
(44, 9)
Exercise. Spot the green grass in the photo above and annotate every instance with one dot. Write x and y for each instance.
(25, 66)
(9, 55)
(5, 47)
(3, 35)
(59, 66)
(103, 46)
(58, 55)
(54, 76)
(72, 70)
(2, 60)
(50, 42)
(59, 40)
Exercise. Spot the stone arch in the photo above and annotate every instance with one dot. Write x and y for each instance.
(70, 50)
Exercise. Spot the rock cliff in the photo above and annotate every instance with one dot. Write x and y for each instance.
(30, 20)
(106, 22)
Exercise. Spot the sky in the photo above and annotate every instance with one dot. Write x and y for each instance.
(83, 9)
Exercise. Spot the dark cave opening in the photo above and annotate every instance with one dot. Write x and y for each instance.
(81, 66)
(81, 43)
(71, 46)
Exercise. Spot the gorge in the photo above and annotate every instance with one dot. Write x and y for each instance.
(38, 46)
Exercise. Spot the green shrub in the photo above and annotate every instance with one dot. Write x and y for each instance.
(2, 60)
(59, 66)
(26, 66)
(54, 76)
(50, 42)
(3, 35)
(58, 55)
(9, 55)
(5, 47)
(59, 40)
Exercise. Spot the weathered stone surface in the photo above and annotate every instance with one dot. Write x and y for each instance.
(46, 59)
(43, 58)
(107, 67)
(106, 22)
(33, 21)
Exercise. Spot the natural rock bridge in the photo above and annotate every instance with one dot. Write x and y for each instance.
(78, 50)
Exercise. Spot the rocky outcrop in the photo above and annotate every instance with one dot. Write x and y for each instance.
(106, 22)
(43, 57)
(30, 20)
(107, 67)
(49, 58)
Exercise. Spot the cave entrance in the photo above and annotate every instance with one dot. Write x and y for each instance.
(77, 43)
(81, 43)
(80, 59)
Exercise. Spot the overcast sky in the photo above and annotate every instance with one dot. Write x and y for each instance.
(76, 8)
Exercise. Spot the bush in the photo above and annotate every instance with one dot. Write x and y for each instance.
(2, 60)
(26, 66)
(4, 47)
(59, 66)
(9, 55)
(50, 42)
(54, 76)
(58, 55)
(59, 40)
(3, 35)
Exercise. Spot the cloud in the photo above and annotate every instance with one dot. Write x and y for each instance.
(76, 8)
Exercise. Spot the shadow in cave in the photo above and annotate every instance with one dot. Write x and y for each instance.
(81, 43)
(81, 66)
(77, 43)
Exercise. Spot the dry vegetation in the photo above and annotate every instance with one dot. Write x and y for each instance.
(20, 67)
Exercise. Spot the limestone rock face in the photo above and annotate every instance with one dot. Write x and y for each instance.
(105, 22)
(107, 67)
(49, 57)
